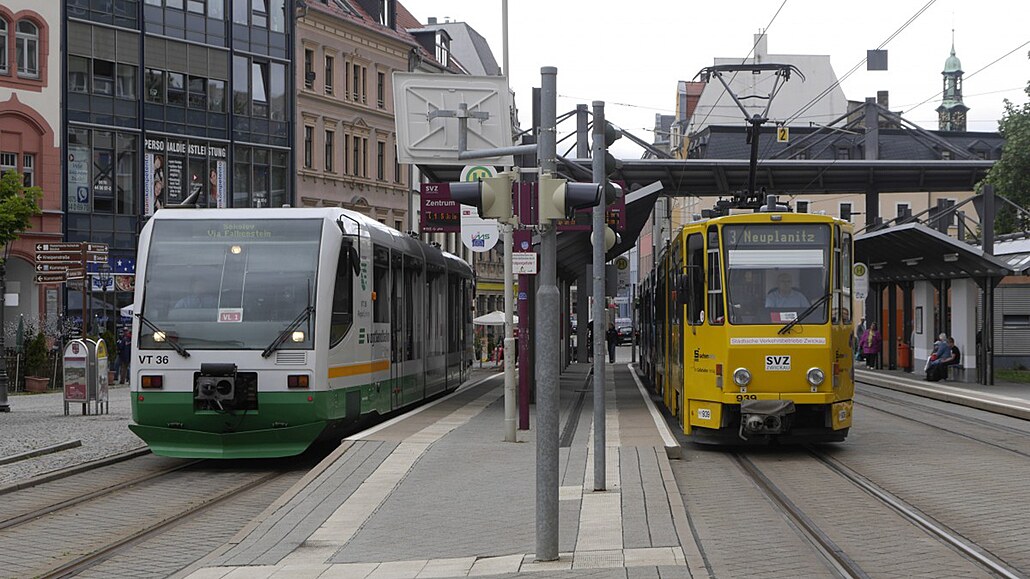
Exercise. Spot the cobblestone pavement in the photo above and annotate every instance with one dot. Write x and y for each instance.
(37, 421)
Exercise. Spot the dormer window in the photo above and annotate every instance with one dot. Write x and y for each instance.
(443, 48)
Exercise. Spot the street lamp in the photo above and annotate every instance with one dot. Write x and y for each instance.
(4, 406)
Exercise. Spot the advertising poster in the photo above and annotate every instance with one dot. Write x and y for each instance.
(75, 372)
(220, 182)
(154, 182)
(174, 186)
(79, 198)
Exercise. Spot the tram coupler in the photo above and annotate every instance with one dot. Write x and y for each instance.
(765, 416)
(215, 383)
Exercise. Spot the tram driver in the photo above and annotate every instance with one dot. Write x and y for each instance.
(784, 296)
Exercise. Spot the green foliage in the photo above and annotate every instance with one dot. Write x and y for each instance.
(112, 349)
(36, 363)
(18, 204)
(1011, 174)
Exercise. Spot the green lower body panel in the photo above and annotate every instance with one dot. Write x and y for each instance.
(284, 424)
(270, 443)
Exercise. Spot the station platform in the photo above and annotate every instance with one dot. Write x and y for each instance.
(440, 494)
(1008, 398)
(437, 493)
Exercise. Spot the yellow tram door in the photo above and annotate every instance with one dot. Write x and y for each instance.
(704, 330)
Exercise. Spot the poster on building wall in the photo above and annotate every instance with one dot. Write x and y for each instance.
(79, 197)
(221, 180)
(175, 187)
(153, 182)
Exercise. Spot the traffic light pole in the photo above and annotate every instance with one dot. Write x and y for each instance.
(510, 355)
(547, 363)
(600, 329)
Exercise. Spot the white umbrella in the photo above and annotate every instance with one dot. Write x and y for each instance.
(127, 310)
(495, 318)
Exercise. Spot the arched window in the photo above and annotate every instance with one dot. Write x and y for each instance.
(27, 49)
(3, 46)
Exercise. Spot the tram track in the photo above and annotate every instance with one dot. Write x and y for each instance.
(970, 420)
(836, 556)
(112, 548)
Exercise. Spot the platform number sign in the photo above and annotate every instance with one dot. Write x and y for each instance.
(782, 134)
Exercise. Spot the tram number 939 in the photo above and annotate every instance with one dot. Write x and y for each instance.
(742, 397)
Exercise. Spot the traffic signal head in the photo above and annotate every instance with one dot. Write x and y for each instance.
(610, 239)
(559, 199)
(612, 191)
(491, 196)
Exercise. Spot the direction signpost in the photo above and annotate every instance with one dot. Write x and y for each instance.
(60, 262)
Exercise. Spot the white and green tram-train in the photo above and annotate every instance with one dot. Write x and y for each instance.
(260, 331)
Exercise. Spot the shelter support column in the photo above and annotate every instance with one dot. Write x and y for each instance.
(922, 325)
(964, 296)
(906, 323)
(890, 329)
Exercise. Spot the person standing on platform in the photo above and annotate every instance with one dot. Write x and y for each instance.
(871, 342)
(612, 336)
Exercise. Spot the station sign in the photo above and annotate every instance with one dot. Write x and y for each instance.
(50, 278)
(440, 213)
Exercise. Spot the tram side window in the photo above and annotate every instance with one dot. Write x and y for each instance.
(845, 272)
(837, 273)
(343, 298)
(396, 305)
(412, 296)
(695, 279)
(716, 315)
(453, 318)
(381, 286)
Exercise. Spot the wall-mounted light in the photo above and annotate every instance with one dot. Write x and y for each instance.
(950, 257)
(878, 264)
(912, 261)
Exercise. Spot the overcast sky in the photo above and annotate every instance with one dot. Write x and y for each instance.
(632, 54)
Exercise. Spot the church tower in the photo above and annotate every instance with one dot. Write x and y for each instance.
(951, 114)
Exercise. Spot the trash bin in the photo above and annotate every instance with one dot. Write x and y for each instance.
(904, 356)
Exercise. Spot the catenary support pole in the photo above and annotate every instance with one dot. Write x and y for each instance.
(547, 397)
(600, 352)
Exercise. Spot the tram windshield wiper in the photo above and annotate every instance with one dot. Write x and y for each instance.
(300, 319)
(174, 344)
(804, 314)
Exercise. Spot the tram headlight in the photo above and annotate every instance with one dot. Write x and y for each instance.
(298, 336)
(159, 336)
(742, 377)
(816, 376)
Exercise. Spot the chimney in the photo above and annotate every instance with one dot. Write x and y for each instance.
(432, 19)
(761, 47)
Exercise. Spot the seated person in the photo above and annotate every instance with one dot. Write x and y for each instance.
(784, 296)
(953, 357)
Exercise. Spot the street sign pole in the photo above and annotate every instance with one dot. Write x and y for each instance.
(547, 363)
(597, 236)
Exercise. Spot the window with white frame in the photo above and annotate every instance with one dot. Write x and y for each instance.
(8, 162)
(443, 48)
(28, 163)
(329, 62)
(3, 46)
(330, 140)
(27, 49)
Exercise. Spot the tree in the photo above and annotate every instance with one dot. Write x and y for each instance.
(1011, 174)
(18, 204)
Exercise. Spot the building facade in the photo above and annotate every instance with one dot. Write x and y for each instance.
(170, 102)
(30, 142)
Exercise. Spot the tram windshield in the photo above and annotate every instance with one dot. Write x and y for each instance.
(775, 271)
(212, 285)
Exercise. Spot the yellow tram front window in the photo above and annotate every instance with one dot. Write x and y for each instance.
(776, 271)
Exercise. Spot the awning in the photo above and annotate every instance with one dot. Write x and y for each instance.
(494, 318)
(913, 251)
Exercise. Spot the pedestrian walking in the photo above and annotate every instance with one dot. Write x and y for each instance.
(124, 359)
(613, 339)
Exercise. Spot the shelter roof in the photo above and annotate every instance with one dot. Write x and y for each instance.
(913, 252)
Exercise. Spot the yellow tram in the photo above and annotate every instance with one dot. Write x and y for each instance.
(749, 321)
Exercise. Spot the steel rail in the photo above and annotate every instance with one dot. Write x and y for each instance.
(80, 564)
(834, 555)
(910, 513)
(73, 470)
(61, 505)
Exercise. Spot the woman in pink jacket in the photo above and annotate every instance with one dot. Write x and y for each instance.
(870, 344)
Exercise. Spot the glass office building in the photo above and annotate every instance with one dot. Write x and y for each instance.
(170, 102)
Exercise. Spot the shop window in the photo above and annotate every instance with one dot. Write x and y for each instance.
(27, 49)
